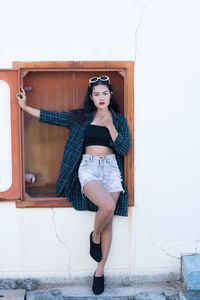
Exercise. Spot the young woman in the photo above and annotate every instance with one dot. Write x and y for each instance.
(91, 174)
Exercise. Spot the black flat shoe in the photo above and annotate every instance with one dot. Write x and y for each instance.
(95, 250)
(98, 284)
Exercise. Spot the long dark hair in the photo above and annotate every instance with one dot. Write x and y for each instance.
(82, 113)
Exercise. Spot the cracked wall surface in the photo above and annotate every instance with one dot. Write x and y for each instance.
(68, 252)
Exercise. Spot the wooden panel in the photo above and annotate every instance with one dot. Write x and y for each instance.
(129, 114)
(14, 192)
(43, 143)
(43, 203)
(93, 65)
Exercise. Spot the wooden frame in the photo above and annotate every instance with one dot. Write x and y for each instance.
(13, 193)
(126, 70)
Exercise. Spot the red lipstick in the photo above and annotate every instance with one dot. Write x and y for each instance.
(101, 103)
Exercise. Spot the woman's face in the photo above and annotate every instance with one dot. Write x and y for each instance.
(101, 96)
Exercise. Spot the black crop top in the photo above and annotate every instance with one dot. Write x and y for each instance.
(97, 135)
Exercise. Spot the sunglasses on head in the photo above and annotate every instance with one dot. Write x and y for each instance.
(101, 78)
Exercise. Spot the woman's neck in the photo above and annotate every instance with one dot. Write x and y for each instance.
(100, 111)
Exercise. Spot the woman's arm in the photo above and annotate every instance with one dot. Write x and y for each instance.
(122, 142)
(32, 111)
(21, 97)
(65, 119)
(120, 139)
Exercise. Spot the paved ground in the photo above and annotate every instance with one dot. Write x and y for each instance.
(127, 291)
(133, 291)
(12, 294)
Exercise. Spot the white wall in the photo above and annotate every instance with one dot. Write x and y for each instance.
(162, 38)
(167, 142)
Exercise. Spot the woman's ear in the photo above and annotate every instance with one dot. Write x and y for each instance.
(91, 97)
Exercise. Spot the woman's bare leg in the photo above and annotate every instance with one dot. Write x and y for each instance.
(96, 192)
(106, 239)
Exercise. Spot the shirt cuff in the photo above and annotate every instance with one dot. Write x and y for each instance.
(118, 140)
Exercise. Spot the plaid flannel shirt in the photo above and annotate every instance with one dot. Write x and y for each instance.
(68, 184)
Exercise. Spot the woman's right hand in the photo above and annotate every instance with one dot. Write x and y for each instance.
(21, 97)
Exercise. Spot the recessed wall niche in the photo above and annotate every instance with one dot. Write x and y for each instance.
(37, 148)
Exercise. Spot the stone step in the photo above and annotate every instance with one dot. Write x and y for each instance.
(56, 295)
(191, 271)
(52, 294)
(189, 295)
(12, 294)
(27, 284)
(133, 291)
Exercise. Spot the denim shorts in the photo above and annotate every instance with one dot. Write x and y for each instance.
(103, 168)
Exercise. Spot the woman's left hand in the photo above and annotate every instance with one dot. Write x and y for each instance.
(106, 119)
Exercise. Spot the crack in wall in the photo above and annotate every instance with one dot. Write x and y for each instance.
(63, 244)
(164, 250)
(92, 10)
(138, 27)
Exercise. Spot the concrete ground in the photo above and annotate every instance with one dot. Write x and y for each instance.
(168, 290)
(136, 291)
(150, 291)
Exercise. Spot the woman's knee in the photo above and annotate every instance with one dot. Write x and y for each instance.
(109, 207)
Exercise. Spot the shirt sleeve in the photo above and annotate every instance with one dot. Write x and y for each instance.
(63, 118)
(122, 143)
